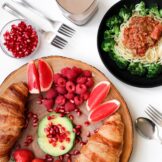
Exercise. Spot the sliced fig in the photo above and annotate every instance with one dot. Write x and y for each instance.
(45, 75)
(104, 110)
(98, 94)
(33, 78)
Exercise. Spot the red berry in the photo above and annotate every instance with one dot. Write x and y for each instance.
(60, 100)
(48, 103)
(69, 73)
(61, 82)
(85, 96)
(69, 107)
(81, 80)
(61, 90)
(78, 71)
(89, 82)
(52, 93)
(70, 86)
(56, 77)
(81, 89)
(78, 100)
(69, 96)
(87, 73)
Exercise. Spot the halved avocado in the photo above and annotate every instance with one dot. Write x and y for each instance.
(43, 141)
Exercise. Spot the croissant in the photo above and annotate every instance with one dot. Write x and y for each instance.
(105, 145)
(12, 120)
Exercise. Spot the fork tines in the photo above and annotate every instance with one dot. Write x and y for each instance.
(59, 42)
(154, 114)
(66, 30)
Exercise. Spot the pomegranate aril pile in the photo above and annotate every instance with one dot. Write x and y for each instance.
(21, 40)
(28, 140)
(56, 133)
(70, 89)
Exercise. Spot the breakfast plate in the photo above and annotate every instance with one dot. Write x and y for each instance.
(57, 63)
(133, 61)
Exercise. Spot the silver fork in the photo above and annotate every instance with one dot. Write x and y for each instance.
(51, 37)
(154, 114)
(58, 26)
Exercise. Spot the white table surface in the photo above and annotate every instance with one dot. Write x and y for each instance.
(83, 47)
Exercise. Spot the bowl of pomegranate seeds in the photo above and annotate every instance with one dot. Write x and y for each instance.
(19, 39)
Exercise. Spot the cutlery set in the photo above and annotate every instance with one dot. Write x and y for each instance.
(148, 128)
(50, 36)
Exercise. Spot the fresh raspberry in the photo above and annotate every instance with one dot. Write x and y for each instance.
(48, 103)
(69, 73)
(90, 82)
(87, 73)
(78, 71)
(78, 100)
(70, 86)
(85, 96)
(69, 106)
(61, 82)
(81, 80)
(52, 93)
(69, 96)
(81, 88)
(56, 77)
(60, 100)
(61, 90)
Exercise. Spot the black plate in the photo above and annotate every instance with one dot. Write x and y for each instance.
(124, 75)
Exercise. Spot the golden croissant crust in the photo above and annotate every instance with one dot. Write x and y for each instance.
(105, 145)
(12, 120)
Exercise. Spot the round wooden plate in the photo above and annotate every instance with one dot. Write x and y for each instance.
(57, 63)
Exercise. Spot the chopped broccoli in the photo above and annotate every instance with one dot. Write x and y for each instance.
(114, 20)
(119, 60)
(140, 7)
(108, 34)
(125, 14)
(112, 32)
(154, 11)
(136, 68)
(116, 30)
(160, 11)
(108, 45)
(153, 70)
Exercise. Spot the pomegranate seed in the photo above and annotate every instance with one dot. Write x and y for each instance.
(87, 123)
(79, 113)
(88, 134)
(35, 124)
(96, 130)
(49, 110)
(71, 117)
(62, 147)
(76, 152)
(61, 157)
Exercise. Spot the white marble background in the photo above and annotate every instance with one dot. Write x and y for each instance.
(83, 47)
